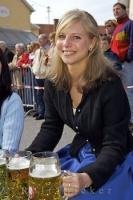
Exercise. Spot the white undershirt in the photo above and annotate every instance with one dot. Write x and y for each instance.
(74, 111)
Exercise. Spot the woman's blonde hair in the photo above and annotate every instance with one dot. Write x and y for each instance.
(111, 22)
(97, 66)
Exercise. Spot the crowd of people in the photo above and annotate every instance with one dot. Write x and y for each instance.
(83, 80)
(27, 67)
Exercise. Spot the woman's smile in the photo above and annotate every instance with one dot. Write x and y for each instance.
(68, 53)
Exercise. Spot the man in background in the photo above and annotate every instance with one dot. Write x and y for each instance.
(8, 55)
(122, 45)
(38, 68)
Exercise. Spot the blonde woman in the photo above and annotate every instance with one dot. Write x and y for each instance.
(85, 93)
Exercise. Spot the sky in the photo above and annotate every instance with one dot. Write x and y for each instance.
(100, 9)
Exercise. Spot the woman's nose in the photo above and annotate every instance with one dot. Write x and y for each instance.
(67, 41)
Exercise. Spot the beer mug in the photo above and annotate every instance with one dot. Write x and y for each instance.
(44, 177)
(17, 175)
(3, 188)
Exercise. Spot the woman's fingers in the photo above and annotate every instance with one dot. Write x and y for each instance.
(71, 190)
(71, 185)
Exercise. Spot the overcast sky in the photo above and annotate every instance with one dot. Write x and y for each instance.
(100, 9)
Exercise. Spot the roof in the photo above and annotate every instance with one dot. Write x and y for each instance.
(28, 5)
(13, 36)
(101, 29)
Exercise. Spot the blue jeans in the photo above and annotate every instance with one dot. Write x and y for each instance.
(39, 92)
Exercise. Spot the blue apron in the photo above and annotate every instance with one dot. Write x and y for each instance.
(118, 187)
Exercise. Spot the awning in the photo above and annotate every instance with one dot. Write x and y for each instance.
(13, 36)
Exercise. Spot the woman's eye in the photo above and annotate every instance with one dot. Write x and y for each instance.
(61, 37)
(71, 38)
(76, 37)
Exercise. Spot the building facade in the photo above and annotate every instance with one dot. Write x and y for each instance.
(15, 25)
(131, 9)
(15, 14)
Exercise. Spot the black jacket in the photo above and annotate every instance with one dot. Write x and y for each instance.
(114, 58)
(8, 55)
(101, 119)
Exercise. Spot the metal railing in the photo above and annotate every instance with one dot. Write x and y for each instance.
(23, 84)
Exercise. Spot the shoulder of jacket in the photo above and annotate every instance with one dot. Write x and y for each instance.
(113, 81)
(14, 98)
(49, 83)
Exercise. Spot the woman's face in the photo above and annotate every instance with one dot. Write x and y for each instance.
(19, 50)
(73, 45)
(109, 28)
(104, 44)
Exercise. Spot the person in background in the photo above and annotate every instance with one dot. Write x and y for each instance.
(11, 111)
(15, 66)
(84, 92)
(105, 46)
(51, 49)
(110, 26)
(122, 45)
(6, 52)
(52, 38)
(38, 69)
(22, 56)
(32, 47)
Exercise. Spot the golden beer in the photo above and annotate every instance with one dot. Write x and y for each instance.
(45, 188)
(17, 178)
(3, 188)
(44, 177)
(17, 182)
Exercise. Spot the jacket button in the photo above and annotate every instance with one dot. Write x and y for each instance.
(77, 127)
(79, 110)
(87, 140)
(93, 150)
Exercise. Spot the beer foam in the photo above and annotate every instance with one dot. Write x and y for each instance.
(2, 161)
(18, 163)
(45, 171)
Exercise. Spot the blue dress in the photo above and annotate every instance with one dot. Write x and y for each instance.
(118, 187)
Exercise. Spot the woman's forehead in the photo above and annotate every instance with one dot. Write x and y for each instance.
(76, 27)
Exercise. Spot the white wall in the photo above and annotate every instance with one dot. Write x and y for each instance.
(131, 9)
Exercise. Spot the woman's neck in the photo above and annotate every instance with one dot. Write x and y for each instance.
(75, 73)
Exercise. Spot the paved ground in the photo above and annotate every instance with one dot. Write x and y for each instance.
(31, 129)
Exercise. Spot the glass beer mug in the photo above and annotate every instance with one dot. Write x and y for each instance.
(44, 176)
(17, 175)
(3, 188)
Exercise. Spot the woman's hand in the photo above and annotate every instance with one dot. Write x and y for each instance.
(75, 182)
